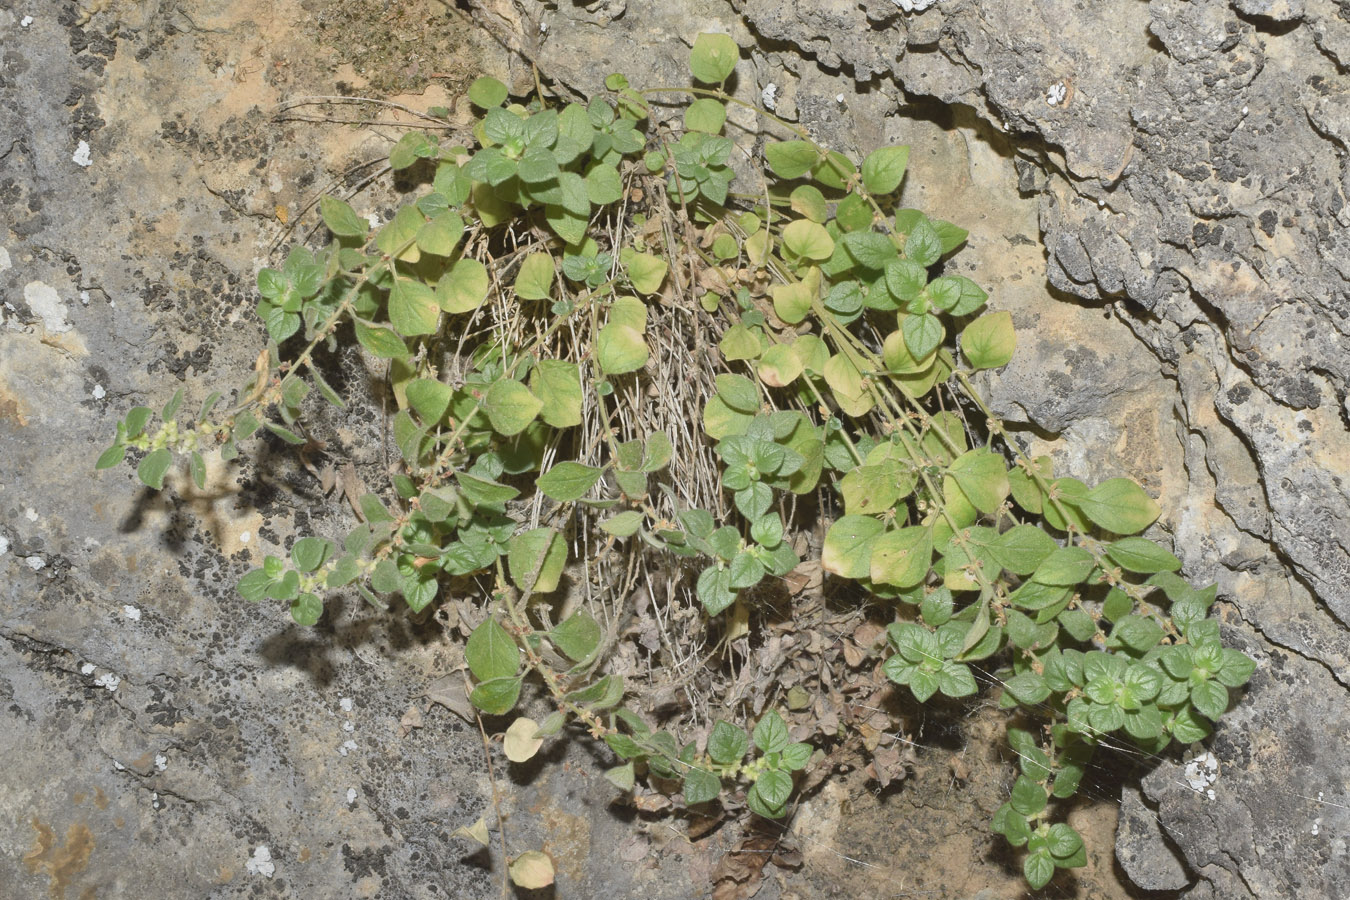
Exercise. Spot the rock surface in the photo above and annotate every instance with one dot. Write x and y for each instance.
(1156, 190)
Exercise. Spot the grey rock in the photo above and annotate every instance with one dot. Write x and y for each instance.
(1142, 849)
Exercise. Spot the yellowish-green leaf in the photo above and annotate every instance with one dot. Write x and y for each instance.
(713, 58)
(620, 349)
(989, 341)
(534, 281)
(740, 343)
(510, 406)
(1119, 505)
(848, 546)
(779, 366)
(536, 559)
(846, 384)
(521, 741)
(629, 311)
(557, 384)
(532, 870)
(808, 240)
(463, 288)
(884, 169)
(645, 271)
(412, 307)
(902, 558)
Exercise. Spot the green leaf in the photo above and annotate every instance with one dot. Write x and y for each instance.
(409, 149)
(111, 457)
(536, 559)
(253, 586)
(1237, 668)
(557, 384)
(463, 288)
(536, 167)
(848, 546)
(496, 696)
(769, 794)
(808, 240)
(429, 398)
(510, 406)
(341, 219)
(791, 159)
(646, 272)
(306, 609)
(739, 342)
(902, 558)
(620, 349)
(869, 249)
(1139, 633)
(713, 58)
(727, 744)
(486, 93)
(923, 334)
(491, 653)
(982, 477)
(603, 184)
(955, 680)
(1063, 843)
(1038, 868)
(884, 169)
(796, 756)
(413, 309)
(989, 341)
(625, 524)
(309, 553)
(153, 467)
(700, 786)
(1136, 554)
(197, 466)
(1065, 567)
(1012, 825)
(807, 200)
(1022, 548)
(1119, 505)
(1028, 688)
(380, 341)
(622, 776)
(771, 733)
(1210, 698)
(707, 115)
(714, 589)
(1028, 797)
(568, 481)
(440, 235)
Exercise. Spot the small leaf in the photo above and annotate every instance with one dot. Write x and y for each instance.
(727, 744)
(341, 219)
(700, 786)
(532, 870)
(534, 280)
(620, 349)
(1136, 554)
(476, 832)
(153, 467)
(713, 58)
(884, 169)
(440, 236)
(510, 406)
(779, 366)
(111, 457)
(306, 609)
(989, 341)
(848, 546)
(771, 733)
(463, 288)
(982, 477)
(413, 309)
(808, 240)
(568, 481)
(491, 653)
(646, 272)
(521, 740)
(706, 115)
(577, 636)
(902, 558)
(557, 384)
(791, 159)
(536, 560)
(1119, 505)
(486, 93)
(309, 553)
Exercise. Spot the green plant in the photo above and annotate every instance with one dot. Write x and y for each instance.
(513, 303)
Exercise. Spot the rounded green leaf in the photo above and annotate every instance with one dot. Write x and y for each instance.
(491, 652)
(309, 553)
(884, 169)
(902, 558)
(306, 609)
(497, 696)
(440, 236)
(568, 481)
(534, 280)
(989, 341)
(603, 184)
(846, 384)
(982, 477)
(536, 559)
(111, 457)
(848, 546)
(646, 272)
(510, 406)
(1119, 505)
(152, 469)
(620, 349)
(463, 288)
(341, 219)
(486, 93)
(791, 159)
(557, 384)
(771, 734)
(923, 334)
(706, 115)
(792, 301)
(1136, 554)
(713, 58)
(413, 307)
(808, 240)
(727, 744)
(779, 366)
(1038, 868)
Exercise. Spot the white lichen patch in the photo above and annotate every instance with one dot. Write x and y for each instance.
(351, 796)
(1055, 94)
(4, 260)
(910, 6)
(161, 762)
(99, 392)
(347, 747)
(81, 155)
(769, 96)
(131, 613)
(25, 21)
(108, 680)
(46, 304)
(35, 562)
(30, 514)
(261, 863)
(1202, 770)
(348, 726)
(345, 704)
(88, 669)
(4, 545)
